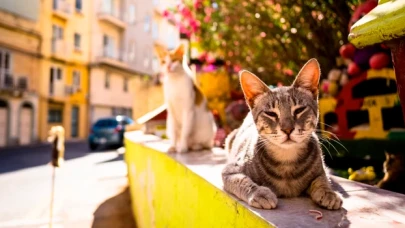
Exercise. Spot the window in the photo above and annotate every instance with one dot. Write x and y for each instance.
(55, 74)
(77, 41)
(108, 46)
(155, 31)
(59, 73)
(76, 79)
(57, 35)
(132, 14)
(108, 6)
(54, 116)
(155, 2)
(78, 5)
(107, 81)
(132, 51)
(57, 32)
(5, 62)
(146, 59)
(55, 4)
(146, 25)
(125, 84)
(171, 38)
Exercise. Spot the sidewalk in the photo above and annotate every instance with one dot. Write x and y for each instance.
(37, 144)
(91, 190)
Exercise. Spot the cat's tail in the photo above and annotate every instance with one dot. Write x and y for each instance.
(229, 140)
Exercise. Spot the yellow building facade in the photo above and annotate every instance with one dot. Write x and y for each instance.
(20, 43)
(64, 77)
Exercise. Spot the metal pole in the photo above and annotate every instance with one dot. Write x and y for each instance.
(52, 196)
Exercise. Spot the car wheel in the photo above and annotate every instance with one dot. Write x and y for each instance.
(93, 146)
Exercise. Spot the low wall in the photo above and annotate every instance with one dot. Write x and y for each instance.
(185, 190)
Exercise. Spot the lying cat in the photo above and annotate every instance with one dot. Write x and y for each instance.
(394, 169)
(190, 124)
(275, 153)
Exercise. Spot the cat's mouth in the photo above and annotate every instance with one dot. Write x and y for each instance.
(288, 141)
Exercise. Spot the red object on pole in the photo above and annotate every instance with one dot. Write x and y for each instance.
(398, 58)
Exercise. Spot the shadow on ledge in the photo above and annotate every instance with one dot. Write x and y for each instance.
(115, 212)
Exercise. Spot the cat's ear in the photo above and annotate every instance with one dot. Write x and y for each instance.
(308, 77)
(387, 155)
(252, 86)
(178, 52)
(160, 50)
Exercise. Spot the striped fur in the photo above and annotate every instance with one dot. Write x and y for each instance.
(275, 153)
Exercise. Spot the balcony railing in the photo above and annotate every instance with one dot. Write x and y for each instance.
(10, 83)
(62, 9)
(7, 81)
(114, 58)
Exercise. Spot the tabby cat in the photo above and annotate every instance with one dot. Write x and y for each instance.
(275, 153)
(394, 169)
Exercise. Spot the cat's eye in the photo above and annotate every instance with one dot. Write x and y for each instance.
(299, 110)
(271, 114)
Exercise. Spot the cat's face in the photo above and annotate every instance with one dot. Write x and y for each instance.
(170, 61)
(393, 162)
(285, 116)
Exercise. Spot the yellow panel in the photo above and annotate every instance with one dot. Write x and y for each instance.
(167, 194)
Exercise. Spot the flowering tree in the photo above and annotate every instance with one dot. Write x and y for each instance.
(272, 38)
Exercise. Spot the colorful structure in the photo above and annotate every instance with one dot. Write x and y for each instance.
(366, 107)
(216, 87)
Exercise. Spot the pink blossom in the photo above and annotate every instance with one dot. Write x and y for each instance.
(263, 34)
(207, 18)
(185, 12)
(202, 57)
(236, 68)
(166, 13)
(197, 4)
(210, 59)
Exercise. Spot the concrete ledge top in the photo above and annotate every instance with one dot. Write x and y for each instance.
(363, 205)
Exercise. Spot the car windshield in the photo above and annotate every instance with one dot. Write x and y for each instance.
(124, 120)
(106, 123)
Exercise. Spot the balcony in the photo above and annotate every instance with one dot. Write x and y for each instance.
(12, 85)
(59, 49)
(62, 9)
(113, 17)
(112, 58)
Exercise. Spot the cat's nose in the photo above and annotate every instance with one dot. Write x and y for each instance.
(288, 130)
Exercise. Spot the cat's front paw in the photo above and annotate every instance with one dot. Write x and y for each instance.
(327, 198)
(263, 198)
(182, 148)
(172, 149)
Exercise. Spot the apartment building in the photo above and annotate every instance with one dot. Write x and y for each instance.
(64, 26)
(111, 88)
(20, 43)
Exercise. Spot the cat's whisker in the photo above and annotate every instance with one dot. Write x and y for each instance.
(334, 140)
(323, 145)
(337, 151)
(328, 132)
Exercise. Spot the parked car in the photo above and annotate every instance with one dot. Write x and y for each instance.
(108, 131)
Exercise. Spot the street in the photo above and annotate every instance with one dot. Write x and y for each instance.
(90, 188)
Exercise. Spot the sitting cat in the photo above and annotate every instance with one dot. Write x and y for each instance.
(190, 124)
(276, 153)
(394, 169)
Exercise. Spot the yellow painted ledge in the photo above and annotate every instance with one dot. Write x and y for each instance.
(186, 191)
(384, 23)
